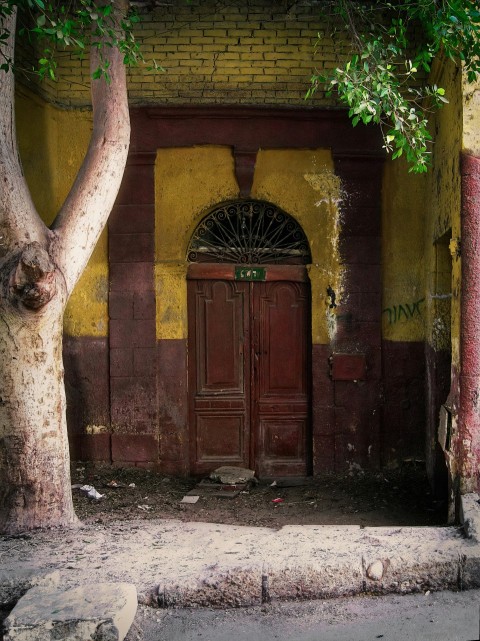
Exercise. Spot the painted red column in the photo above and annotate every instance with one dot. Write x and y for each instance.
(468, 447)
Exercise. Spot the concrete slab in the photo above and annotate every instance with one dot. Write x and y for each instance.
(97, 612)
(14, 583)
(470, 515)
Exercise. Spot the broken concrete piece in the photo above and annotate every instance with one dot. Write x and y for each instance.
(375, 571)
(190, 499)
(470, 515)
(230, 475)
(16, 581)
(104, 612)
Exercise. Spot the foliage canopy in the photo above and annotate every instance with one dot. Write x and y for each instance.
(385, 79)
(78, 25)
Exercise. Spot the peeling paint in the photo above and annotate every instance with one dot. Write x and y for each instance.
(96, 429)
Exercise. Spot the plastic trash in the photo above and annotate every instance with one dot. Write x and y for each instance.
(91, 492)
(278, 500)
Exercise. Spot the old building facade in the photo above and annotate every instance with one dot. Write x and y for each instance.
(271, 291)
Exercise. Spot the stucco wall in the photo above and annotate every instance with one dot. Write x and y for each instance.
(471, 117)
(403, 232)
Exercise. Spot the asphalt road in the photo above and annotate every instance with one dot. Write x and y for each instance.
(443, 616)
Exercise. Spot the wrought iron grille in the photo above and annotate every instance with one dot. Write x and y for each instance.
(249, 232)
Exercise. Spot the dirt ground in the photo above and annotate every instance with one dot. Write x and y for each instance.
(399, 497)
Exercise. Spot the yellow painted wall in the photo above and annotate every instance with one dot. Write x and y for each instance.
(420, 215)
(443, 214)
(403, 231)
(189, 182)
(471, 117)
(302, 183)
(52, 145)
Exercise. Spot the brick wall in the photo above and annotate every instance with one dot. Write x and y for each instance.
(231, 52)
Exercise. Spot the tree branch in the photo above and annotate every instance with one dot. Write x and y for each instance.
(19, 220)
(88, 205)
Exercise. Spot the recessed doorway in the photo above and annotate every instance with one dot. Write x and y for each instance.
(249, 343)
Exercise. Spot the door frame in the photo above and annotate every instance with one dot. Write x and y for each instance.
(226, 271)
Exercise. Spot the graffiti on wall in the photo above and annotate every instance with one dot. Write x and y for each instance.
(405, 311)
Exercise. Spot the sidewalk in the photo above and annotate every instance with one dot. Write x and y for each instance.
(175, 563)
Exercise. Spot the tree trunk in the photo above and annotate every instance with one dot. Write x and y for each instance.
(35, 489)
(38, 270)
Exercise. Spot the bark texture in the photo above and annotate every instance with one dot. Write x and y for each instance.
(34, 462)
(38, 270)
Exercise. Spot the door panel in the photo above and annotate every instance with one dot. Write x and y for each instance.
(219, 389)
(248, 375)
(220, 436)
(220, 311)
(282, 441)
(281, 313)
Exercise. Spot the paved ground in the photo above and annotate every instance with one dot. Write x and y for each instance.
(442, 616)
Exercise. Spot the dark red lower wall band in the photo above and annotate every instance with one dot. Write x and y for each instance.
(353, 426)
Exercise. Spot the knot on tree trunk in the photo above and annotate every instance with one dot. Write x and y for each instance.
(33, 279)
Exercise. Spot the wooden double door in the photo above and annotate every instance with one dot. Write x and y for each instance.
(249, 370)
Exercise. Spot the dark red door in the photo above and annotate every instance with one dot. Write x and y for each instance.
(249, 370)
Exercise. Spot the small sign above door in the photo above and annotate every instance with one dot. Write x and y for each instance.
(250, 273)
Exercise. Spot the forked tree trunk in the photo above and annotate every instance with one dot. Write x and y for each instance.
(38, 270)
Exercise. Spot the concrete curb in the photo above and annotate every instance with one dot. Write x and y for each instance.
(334, 562)
(173, 563)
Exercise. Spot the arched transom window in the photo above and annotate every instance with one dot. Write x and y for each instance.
(249, 232)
